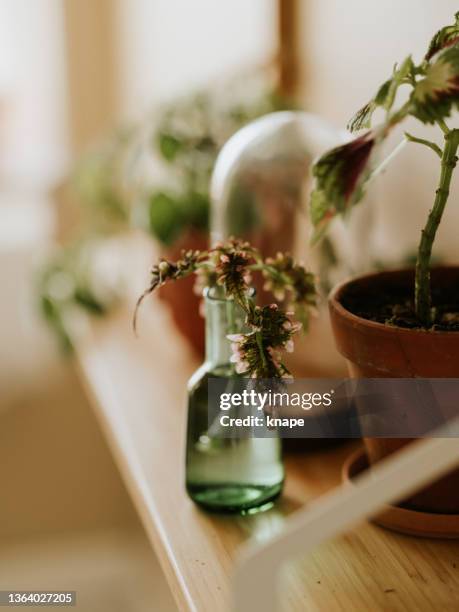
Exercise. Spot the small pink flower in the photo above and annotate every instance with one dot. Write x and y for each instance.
(289, 346)
(237, 357)
(274, 356)
(235, 337)
(224, 258)
(241, 367)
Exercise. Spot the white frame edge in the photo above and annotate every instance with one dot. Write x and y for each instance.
(257, 572)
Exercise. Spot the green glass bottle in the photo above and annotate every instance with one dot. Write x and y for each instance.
(230, 474)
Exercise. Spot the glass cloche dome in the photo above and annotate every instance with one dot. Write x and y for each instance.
(260, 187)
(259, 192)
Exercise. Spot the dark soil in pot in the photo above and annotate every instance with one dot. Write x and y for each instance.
(376, 331)
(393, 304)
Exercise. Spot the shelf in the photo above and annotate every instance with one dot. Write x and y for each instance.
(137, 386)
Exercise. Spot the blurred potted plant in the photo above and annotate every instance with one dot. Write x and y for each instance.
(78, 277)
(187, 140)
(102, 186)
(402, 323)
(156, 175)
(82, 273)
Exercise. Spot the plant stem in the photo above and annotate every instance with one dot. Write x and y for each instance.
(427, 143)
(423, 298)
(260, 347)
(445, 129)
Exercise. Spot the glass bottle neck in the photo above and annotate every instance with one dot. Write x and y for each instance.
(223, 317)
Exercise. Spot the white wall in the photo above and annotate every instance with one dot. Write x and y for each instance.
(33, 113)
(54, 466)
(349, 49)
(167, 47)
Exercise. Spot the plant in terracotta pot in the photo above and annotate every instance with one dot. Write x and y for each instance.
(405, 323)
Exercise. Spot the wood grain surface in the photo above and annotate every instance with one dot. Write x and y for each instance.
(137, 386)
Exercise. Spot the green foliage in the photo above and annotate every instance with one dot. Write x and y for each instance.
(112, 190)
(166, 217)
(188, 139)
(437, 93)
(66, 283)
(99, 182)
(362, 118)
(403, 75)
(385, 96)
(446, 36)
(341, 174)
(169, 146)
(170, 214)
(197, 207)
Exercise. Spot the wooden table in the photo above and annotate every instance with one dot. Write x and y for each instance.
(137, 386)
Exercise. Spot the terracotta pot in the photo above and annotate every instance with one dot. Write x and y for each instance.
(180, 297)
(375, 350)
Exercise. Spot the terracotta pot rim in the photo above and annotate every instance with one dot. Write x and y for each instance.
(334, 301)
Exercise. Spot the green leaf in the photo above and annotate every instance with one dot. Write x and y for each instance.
(321, 213)
(85, 298)
(53, 316)
(385, 96)
(438, 92)
(166, 217)
(398, 78)
(196, 207)
(169, 146)
(339, 177)
(362, 118)
(445, 37)
(382, 93)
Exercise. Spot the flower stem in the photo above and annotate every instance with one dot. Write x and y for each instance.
(423, 298)
(260, 348)
(445, 129)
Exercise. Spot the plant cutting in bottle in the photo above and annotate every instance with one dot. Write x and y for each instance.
(341, 174)
(271, 328)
